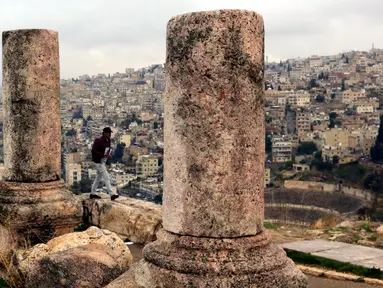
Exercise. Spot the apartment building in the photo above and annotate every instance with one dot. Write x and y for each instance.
(98, 103)
(147, 165)
(281, 150)
(124, 178)
(275, 97)
(298, 99)
(86, 111)
(97, 113)
(328, 153)
(74, 158)
(350, 96)
(336, 137)
(126, 138)
(364, 108)
(301, 167)
(376, 69)
(303, 122)
(73, 173)
(315, 61)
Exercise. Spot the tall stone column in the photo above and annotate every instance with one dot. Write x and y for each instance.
(31, 101)
(33, 195)
(213, 208)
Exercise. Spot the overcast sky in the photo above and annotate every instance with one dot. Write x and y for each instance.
(107, 36)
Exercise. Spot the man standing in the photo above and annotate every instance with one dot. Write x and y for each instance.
(100, 156)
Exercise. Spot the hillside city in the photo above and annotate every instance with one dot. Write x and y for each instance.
(322, 117)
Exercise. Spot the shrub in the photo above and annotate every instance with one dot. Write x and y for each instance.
(372, 237)
(307, 148)
(366, 226)
(270, 226)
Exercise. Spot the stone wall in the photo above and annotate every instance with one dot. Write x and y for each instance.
(303, 207)
(289, 222)
(339, 202)
(325, 187)
(289, 214)
(297, 215)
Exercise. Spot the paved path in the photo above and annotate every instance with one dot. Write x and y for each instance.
(314, 282)
(342, 252)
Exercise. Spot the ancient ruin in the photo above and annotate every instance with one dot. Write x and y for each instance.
(213, 208)
(33, 198)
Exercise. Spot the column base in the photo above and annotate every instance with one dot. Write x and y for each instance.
(39, 211)
(185, 261)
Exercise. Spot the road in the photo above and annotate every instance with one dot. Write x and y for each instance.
(314, 282)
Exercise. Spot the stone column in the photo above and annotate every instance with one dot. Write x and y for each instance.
(33, 198)
(31, 101)
(213, 208)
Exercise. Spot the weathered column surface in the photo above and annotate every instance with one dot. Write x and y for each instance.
(214, 125)
(33, 199)
(31, 103)
(214, 161)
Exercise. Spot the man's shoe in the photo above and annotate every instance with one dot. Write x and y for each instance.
(94, 196)
(115, 196)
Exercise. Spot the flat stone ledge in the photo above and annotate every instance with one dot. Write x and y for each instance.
(347, 253)
(131, 219)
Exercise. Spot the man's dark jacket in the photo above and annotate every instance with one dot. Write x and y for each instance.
(98, 149)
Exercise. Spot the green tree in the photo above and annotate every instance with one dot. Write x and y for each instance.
(71, 132)
(155, 125)
(89, 118)
(287, 166)
(77, 114)
(376, 151)
(349, 111)
(307, 148)
(75, 188)
(313, 84)
(158, 199)
(351, 172)
(320, 98)
(85, 185)
(373, 181)
(118, 153)
(335, 159)
(318, 163)
(332, 115)
(268, 142)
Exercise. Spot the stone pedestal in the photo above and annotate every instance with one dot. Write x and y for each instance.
(32, 194)
(213, 208)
